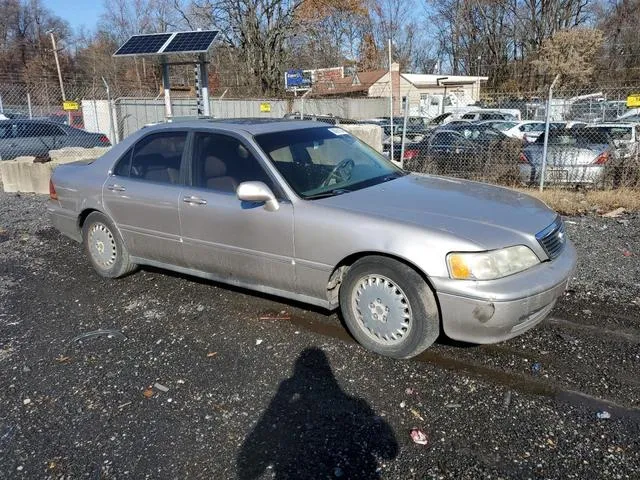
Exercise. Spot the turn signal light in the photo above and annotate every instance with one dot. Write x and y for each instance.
(410, 154)
(52, 191)
(602, 159)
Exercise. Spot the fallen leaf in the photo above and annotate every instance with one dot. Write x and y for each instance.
(212, 354)
(419, 437)
(416, 414)
(614, 213)
(148, 393)
(62, 359)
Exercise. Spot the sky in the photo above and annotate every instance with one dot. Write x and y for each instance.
(77, 12)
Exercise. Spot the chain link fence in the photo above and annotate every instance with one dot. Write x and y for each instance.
(592, 139)
(570, 140)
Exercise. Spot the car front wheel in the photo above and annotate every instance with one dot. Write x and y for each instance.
(105, 248)
(388, 307)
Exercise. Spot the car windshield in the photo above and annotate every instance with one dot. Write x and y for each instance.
(574, 136)
(503, 126)
(320, 162)
(617, 133)
(480, 133)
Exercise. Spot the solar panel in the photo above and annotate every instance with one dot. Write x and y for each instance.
(143, 44)
(190, 42)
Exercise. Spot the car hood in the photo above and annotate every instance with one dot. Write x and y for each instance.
(488, 216)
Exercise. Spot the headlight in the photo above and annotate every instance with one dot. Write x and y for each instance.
(491, 265)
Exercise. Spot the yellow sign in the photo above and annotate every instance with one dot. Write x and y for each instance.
(69, 105)
(265, 107)
(633, 101)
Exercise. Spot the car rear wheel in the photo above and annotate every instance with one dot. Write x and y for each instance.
(105, 248)
(388, 307)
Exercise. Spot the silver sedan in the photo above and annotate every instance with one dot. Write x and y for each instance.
(306, 211)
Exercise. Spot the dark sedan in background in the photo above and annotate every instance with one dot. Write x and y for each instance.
(470, 150)
(37, 137)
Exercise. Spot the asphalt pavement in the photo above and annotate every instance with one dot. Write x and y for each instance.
(159, 375)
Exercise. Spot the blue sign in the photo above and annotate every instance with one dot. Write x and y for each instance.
(297, 78)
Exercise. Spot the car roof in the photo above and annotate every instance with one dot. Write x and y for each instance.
(621, 124)
(253, 126)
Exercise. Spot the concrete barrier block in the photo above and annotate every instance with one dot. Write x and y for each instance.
(370, 134)
(25, 176)
(73, 154)
(22, 175)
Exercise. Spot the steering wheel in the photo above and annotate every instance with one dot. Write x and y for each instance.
(341, 172)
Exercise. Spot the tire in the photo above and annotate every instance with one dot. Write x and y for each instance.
(407, 320)
(105, 248)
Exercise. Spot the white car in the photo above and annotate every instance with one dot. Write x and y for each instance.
(528, 130)
(625, 136)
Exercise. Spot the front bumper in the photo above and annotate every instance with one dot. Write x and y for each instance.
(497, 310)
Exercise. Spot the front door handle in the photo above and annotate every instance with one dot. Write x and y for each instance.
(191, 200)
(116, 188)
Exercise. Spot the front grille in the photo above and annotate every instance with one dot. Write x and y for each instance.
(553, 238)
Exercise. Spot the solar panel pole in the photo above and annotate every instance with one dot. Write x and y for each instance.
(167, 91)
(199, 109)
(204, 85)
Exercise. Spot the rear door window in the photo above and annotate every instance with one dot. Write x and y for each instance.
(156, 158)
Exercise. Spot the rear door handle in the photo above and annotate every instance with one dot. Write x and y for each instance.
(116, 188)
(191, 200)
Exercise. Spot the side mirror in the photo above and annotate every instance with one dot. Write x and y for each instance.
(258, 192)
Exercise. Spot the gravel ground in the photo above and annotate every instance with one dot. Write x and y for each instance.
(292, 396)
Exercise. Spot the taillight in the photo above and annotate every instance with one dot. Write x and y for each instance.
(103, 139)
(523, 158)
(602, 159)
(52, 191)
(410, 154)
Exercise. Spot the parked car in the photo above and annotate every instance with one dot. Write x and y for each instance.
(530, 131)
(472, 150)
(625, 165)
(570, 124)
(575, 156)
(625, 136)
(500, 125)
(479, 115)
(36, 138)
(329, 119)
(308, 212)
(454, 124)
(631, 116)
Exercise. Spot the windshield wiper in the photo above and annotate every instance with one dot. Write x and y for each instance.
(393, 176)
(330, 193)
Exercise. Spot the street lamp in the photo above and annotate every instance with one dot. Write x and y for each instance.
(55, 54)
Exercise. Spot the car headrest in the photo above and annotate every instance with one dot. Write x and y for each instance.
(214, 167)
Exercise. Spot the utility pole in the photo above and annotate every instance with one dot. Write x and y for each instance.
(55, 54)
